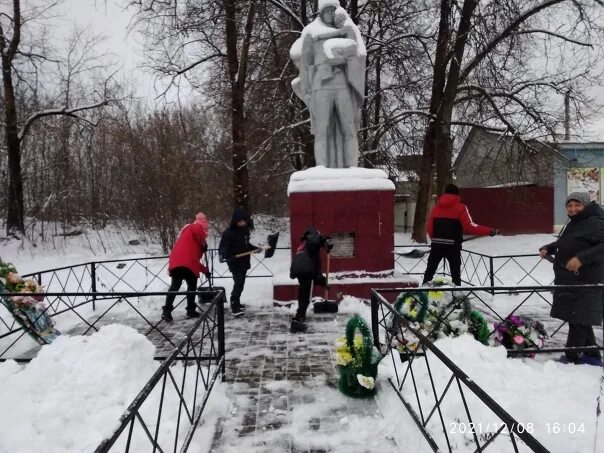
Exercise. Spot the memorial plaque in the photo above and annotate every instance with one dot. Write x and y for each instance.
(343, 245)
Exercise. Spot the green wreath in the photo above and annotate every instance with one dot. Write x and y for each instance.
(357, 375)
(423, 301)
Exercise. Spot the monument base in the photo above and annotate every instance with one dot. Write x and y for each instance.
(357, 284)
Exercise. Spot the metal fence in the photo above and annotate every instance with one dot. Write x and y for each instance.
(201, 355)
(191, 361)
(150, 273)
(424, 399)
(479, 269)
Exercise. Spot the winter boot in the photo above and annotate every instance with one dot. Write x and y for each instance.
(236, 309)
(568, 360)
(591, 360)
(239, 304)
(297, 326)
(192, 313)
(166, 314)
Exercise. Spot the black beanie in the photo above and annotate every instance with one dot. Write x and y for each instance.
(452, 189)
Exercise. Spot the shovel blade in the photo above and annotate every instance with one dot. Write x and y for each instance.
(271, 242)
(326, 306)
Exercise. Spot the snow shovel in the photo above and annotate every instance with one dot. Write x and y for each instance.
(269, 248)
(207, 294)
(326, 305)
(417, 253)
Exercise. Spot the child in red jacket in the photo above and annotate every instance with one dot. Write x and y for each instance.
(185, 264)
(449, 220)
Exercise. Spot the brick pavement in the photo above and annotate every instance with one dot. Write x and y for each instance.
(283, 390)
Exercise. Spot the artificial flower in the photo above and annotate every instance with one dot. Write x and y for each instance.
(343, 358)
(366, 381)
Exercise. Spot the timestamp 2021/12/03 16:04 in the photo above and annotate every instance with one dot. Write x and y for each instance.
(484, 428)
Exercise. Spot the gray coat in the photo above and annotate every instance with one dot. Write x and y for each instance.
(583, 237)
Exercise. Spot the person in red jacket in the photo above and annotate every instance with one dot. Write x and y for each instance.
(185, 264)
(449, 220)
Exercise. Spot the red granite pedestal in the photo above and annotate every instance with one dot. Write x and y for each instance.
(360, 221)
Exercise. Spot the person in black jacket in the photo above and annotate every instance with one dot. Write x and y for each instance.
(235, 240)
(579, 260)
(306, 267)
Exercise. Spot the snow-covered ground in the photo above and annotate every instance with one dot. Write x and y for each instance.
(32, 407)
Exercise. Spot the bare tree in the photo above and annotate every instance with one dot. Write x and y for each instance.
(482, 76)
(28, 62)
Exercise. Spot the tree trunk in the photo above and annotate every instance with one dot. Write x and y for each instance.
(237, 66)
(438, 143)
(14, 217)
(424, 191)
(8, 49)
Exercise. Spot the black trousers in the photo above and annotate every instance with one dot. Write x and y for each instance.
(238, 284)
(303, 298)
(180, 274)
(452, 255)
(580, 335)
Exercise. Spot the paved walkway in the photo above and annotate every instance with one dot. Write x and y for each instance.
(283, 389)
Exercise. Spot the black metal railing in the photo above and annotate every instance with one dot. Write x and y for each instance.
(389, 329)
(83, 313)
(180, 386)
(166, 412)
(150, 273)
(441, 407)
(479, 269)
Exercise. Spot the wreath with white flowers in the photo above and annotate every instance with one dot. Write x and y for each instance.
(357, 360)
(436, 314)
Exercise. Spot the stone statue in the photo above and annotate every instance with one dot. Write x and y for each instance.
(331, 55)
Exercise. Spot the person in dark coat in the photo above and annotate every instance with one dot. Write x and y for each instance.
(306, 267)
(449, 220)
(185, 264)
(235, 240)
(579, 260)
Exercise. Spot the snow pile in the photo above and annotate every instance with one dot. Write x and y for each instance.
(71, 396)
(321, 179)
(529, 391)
(76, 389)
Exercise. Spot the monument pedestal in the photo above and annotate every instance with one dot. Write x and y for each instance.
(355, 207)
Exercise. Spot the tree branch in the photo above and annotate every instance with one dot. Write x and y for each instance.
(551, 33)
(504, 34)
(57, 112)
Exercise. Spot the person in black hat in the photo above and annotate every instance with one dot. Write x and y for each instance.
(449, 220)
(579, 260)
(234, 241)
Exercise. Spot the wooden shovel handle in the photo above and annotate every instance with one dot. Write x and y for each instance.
(327, 279)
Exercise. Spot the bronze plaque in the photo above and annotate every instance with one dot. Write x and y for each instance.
(343, 245)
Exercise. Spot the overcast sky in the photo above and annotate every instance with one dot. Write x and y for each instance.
(109, 18)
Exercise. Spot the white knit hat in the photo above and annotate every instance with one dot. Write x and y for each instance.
(325, 3)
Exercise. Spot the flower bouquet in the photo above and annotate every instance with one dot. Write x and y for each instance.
(436, 314)
(28, 309)
(520, 333)
(357, 360)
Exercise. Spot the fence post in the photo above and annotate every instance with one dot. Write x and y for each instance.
(221, 348)
(492, 274)
(93, 284)
(375, 326)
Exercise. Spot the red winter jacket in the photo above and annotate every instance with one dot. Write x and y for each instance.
(449, 220)
(188, 249)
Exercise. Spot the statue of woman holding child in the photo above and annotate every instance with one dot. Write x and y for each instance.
(331, 55)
